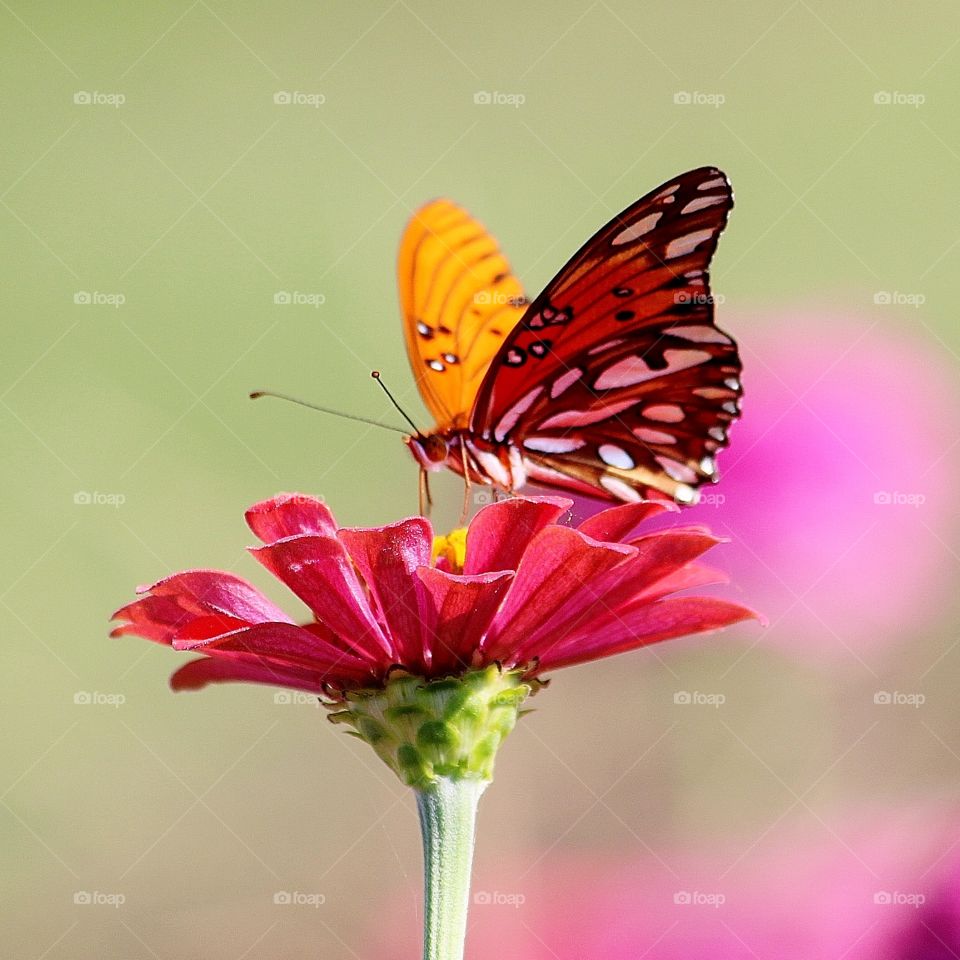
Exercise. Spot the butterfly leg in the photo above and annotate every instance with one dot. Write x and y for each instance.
(466, 484)
(426, 501)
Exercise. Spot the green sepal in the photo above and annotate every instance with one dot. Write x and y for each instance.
(427, 729)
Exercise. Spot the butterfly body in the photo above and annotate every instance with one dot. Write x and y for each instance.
(613, 382)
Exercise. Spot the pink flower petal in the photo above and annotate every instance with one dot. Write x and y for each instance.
(558, 569)
(388, 558)
(285, 643)
(648, 623)
(214, 591)
(464, 609)
(198, 673)
(500, 532)
(318, 570)
(290, 515)
(615, 523)
(154, 618)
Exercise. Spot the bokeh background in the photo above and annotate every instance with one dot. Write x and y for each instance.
(155, 198)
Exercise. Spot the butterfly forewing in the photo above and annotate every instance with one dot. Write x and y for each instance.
(459, 300)
(616, 381)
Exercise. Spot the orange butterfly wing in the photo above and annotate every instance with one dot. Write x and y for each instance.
(460, 300)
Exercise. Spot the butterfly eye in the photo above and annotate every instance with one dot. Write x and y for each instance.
(435, 448)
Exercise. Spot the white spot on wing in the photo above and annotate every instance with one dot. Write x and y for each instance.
(681, 246)
(708, 466)
(636, 230)
(604, 347)
(685, 494)
(718, 434)
(614, 456)
(633, 370)
(710, 184)
(509, 420)
(583, 418)
(648, 435)
(677, 471)
(664, 413)
(565, 381)
(553, 444)
(622, 491)
(700, 203)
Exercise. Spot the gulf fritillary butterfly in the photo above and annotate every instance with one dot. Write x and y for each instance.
(614, 382)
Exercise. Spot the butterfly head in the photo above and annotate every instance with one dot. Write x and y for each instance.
(430, 450)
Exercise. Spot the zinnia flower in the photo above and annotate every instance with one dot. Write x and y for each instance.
(427, 646)
(519, 589)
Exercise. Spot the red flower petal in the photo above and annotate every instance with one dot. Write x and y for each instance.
(500, 532)
(214, 591)
(464, 607)
(648, 623)
(198, 673)
(557, 569)
(287, 644)
(388, 558)
(318, 570)
(154, 618)
(290, 515)
(615, 523)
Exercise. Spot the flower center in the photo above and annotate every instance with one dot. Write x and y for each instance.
(450, 552)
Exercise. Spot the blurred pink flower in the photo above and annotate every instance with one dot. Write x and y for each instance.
(869, 887)
(837, 489)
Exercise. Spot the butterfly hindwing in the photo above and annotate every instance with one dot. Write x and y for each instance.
(460, 300)
(616, 381)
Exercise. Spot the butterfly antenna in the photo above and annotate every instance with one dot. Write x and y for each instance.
(376, 376)
(257, 394)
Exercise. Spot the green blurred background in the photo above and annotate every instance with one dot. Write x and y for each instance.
(196, 201)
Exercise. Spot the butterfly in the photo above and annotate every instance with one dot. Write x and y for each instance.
(614, 382)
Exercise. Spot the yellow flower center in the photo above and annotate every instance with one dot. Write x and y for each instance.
(453, 549)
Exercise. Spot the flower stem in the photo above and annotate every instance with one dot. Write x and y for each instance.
(448, 815)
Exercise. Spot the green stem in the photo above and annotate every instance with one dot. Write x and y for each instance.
(448, 815)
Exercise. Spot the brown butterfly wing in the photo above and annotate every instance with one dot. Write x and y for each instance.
(616, 380)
